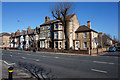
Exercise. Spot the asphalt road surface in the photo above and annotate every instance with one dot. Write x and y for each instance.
(67, 66)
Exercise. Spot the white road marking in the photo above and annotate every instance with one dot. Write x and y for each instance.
(11, 55)
(24, 57)
(44, 56)
(8, 63)
(103, 62)
(37, 60)
(99, 71)
(56, 57)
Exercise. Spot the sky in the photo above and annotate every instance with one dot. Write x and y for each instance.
(20, 15)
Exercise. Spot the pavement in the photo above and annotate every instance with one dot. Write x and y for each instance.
(68, 65)
(112, 54)
(17, 72)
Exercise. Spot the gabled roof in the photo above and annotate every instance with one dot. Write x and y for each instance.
(108, 37)
(31, 31)
(4, 34)
(23, 32)
(52, 21)
(48, 22)
(84, 28)
(17, 33)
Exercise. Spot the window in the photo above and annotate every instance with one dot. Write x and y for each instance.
(76, 45)
(49, 35)
(6, 41)
(56, 35)
(43, 34)
(77, 36)
(60, 44)
(60, 26)
(56, 26)
(85, 44)
(44, 28)
(85, 35)
(96, 40)
(60, 35)
(56, 44)
(49, 27)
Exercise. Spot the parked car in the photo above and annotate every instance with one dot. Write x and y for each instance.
(5, 48)
(32, 49)
(20, 48)
(112, 49)
(118, 48)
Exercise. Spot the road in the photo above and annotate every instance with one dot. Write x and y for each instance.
(67, 66)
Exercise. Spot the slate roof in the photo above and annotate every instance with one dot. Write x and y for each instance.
(108, 36)
(4, 34)
(23, 32)
(31, 31)
(52, 21)
(84, 28)
(17, 34)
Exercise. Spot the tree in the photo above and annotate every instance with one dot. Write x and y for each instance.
(115, 39)
(60, 11)
(109, 36)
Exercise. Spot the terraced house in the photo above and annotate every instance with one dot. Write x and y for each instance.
(52, 33)
(25, 39)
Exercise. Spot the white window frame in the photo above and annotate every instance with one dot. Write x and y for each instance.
(49, 34)
(43, 27)
(85, 35)
(60, 35)
(60, 46)
(85, 46)
(60, 26)
(55, 26)
(57, 35)
(77, 45)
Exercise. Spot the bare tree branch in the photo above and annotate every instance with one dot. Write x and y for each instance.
(60, 11)
(37, 71)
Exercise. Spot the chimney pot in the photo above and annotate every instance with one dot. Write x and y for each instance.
(89, 24)
(47, 19)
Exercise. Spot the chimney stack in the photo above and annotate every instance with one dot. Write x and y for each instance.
(47, 19)
(100, 34)
(89, 24)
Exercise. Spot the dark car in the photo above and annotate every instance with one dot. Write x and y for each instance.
(118, 48)
(32, 49)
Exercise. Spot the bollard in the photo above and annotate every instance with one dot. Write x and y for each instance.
(10, 69)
